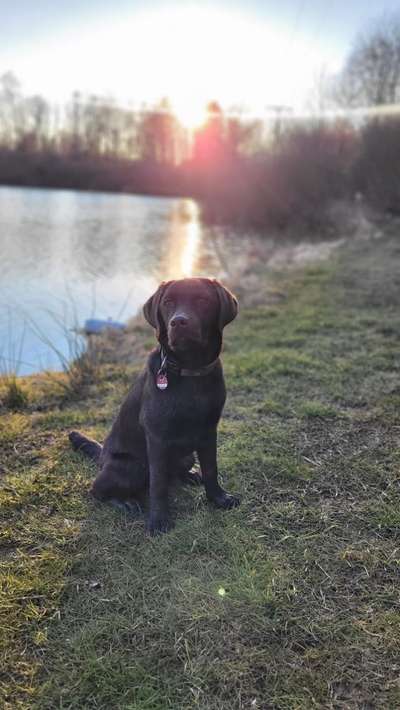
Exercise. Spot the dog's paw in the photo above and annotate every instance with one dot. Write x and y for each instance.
(225, 501)
(158, 524)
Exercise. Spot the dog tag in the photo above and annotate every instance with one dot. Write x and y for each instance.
(162, 380)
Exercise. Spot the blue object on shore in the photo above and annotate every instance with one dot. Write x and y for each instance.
(94, 326)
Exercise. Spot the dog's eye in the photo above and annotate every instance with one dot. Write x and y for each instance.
(167, 302)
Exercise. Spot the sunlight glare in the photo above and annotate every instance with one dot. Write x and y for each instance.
(191, 245)
(191, 54)
(183, 241)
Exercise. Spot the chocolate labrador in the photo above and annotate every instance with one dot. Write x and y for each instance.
(173, 408)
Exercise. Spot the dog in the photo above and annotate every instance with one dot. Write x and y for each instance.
(173, 409)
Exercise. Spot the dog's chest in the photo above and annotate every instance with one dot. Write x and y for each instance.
(185, 409)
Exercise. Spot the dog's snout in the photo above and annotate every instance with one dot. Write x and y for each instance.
(180, 321)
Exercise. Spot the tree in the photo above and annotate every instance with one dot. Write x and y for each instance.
(209, 141)
(159, 135)
(371, 76)
(37, 116)
(243, 136)
(11, 110)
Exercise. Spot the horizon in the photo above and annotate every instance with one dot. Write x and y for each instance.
(186, 52)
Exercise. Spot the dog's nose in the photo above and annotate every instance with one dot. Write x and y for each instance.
(178, 321)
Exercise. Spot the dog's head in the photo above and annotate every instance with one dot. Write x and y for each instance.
(190, 313)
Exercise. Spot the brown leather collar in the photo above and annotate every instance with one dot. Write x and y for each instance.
(168, 364)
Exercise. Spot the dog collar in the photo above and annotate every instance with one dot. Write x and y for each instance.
(166, 363)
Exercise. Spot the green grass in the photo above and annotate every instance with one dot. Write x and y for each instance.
(290, 601)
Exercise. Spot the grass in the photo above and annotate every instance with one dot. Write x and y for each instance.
(14, 396)
(290, 601)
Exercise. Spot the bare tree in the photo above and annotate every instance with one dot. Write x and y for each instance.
(159, 135)
(37, 113)
(371, 76)
(209, 141)
(11, 110)
(322, 94)
(24, 120)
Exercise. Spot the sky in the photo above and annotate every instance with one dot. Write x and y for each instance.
(251, 54)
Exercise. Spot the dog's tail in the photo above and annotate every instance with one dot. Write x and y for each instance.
(86, 446)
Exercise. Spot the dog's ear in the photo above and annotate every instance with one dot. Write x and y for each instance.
(151, 307)
(228, 305)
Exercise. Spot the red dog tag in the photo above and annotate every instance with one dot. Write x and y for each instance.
(162, 380)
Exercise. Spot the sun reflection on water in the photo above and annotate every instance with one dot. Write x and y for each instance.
(184, 241)
(191, 246)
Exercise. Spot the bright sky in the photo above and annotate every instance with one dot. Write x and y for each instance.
(253, 53)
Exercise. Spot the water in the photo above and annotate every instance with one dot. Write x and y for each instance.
(66, 256)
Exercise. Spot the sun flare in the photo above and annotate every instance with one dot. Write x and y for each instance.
(191, 115)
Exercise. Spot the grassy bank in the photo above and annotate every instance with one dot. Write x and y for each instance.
(290, 601)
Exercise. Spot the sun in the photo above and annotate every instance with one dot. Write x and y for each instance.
(190, 114)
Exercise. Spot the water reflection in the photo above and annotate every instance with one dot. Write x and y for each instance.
(191, 247)
(181, 247)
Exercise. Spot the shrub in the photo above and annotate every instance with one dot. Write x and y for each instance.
(13, 396)
(291, 184)
(377, 169)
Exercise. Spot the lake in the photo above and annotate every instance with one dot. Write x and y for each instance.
(66, 256)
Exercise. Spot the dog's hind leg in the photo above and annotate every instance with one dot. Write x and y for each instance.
(86, 446)
(121, 482)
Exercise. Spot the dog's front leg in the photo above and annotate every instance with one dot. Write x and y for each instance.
(158, 520)
(207, 454)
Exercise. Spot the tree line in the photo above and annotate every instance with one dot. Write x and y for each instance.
(98, 126)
